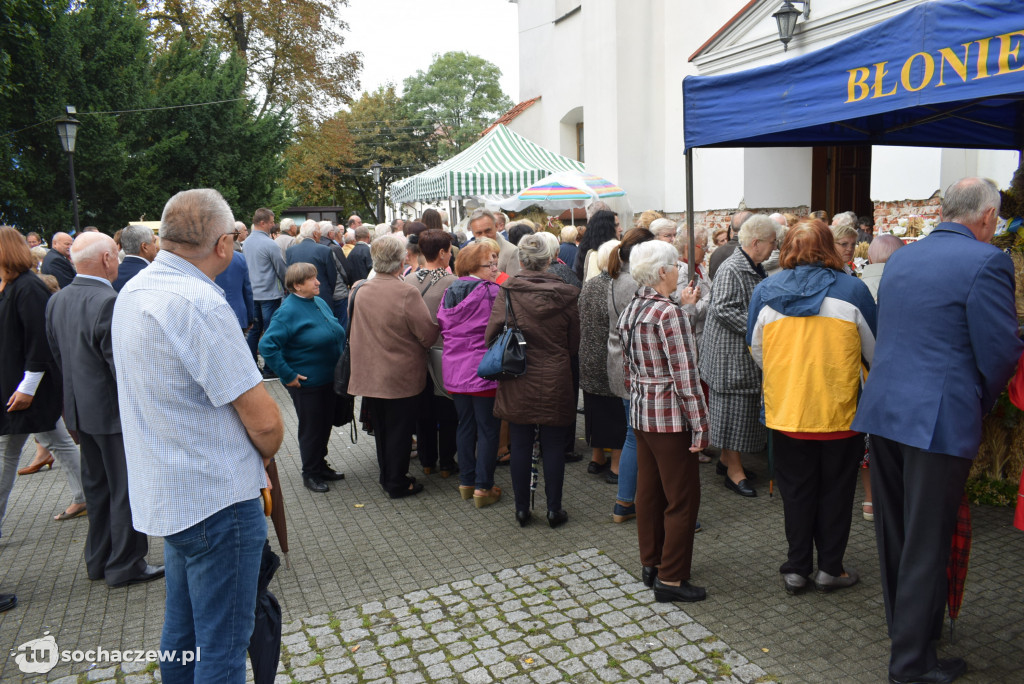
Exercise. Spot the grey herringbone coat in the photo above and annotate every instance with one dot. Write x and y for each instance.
(724, 361)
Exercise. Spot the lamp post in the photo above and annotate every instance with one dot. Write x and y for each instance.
(786, 18)
(67, 131)
(376, 169)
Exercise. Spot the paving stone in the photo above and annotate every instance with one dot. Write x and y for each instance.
(503, 670)
(138, 679)
(664, 658)
(490, 656)
(99, 675)
(409, 678)
(308, 674)
(546, 675)
(336, 665)
(479, 675)
(342, 679)
(440, 671)
(465, 663)
(636, 667)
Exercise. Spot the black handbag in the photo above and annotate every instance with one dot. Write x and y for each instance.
(505, 357)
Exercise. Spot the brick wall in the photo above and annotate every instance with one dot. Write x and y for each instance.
(887, 213)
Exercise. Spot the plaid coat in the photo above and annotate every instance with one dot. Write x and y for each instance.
(725, 361)
(660, 369)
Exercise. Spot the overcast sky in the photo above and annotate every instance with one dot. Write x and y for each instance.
(399, 37)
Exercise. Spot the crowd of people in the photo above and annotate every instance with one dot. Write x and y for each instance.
(772, 337)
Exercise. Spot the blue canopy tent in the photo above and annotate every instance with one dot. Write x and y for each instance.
(946, 73)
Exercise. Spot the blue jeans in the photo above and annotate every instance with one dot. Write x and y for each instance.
(476, 440)
(264, 311)
(627, 463)
(212, 569)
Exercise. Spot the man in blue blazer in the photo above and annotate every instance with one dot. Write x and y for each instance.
(309, 250)
(947, 343)
(140, 248)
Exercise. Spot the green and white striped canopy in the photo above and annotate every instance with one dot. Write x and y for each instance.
(500, 163)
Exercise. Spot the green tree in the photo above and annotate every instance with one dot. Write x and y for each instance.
(94, 56)
(290, 48)
(223, 146)
(459, 96)
(330, 164)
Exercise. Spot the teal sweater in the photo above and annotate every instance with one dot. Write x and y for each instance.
(304, 338)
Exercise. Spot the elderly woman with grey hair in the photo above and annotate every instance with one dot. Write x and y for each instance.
(725, 362)
(845, 233)
(540, 402)
(669, 418)
(390, 332)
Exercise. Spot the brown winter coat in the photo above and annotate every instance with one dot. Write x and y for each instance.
(546, 311)
(390, 333)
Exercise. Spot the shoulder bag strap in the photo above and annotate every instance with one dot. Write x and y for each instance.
(509, 312)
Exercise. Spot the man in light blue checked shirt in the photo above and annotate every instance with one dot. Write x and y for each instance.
(199, 428)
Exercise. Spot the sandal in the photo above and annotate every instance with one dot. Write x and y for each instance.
(868, 510)
(504, 458)
(703, 458)
(68, 514)
(488, 497)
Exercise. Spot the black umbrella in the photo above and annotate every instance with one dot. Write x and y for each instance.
(265, 643)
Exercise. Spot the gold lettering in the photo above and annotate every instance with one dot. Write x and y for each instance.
(859, 82)
(929, 71)
(880, 72)
(947, 56)
(1005, 53)
(982, 58)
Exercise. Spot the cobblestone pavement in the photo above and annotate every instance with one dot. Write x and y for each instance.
(432, 589)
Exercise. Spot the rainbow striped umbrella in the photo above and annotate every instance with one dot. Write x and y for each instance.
(569, 187)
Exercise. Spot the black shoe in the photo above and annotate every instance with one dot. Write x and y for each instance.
(557, 518)
(947, 670)
(7, 601)
(722, 470)
(315, 484)
(794, 583)
(572, 457)
(742, 487)
(151, 573)
(825, 582)
(611, 478)
(522, 517)
(413, 489)
(595, 468)
(268, 374)
(685, 592)
(648, 574)
(331, 475)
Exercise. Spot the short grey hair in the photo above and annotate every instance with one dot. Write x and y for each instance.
(967, 200)
(388, 253)
(700, 237)
(569, 234)
(648, 258)
(286, 225)
(479, 214)
(847, 218)
(534, 252)
(195, 220)
(551, 241)
(663, 226)
(306, 230)
(758, 227)
(326, 228)
(603, 252)
(89, 247)
(133, 237)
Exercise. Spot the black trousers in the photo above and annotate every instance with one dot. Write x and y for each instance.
(393, 422)
(314, 407)
(552, 453)
(916, 495)
(114, 550)
(437, 424)
(817, 480)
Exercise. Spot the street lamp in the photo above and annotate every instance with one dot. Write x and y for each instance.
(67, 131)
(376, 169)
(786, 18)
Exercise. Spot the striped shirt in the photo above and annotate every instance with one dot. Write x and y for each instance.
(660, 367)
(181, 360)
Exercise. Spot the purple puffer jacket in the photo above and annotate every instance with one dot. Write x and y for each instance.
(462, 317)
